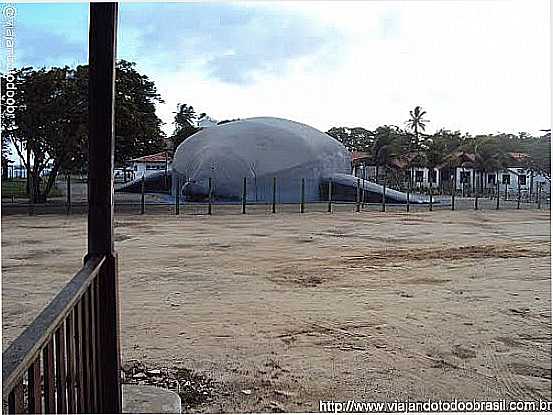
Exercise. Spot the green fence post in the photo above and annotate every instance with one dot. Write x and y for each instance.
(409, 191)
(244, 196)
(177, 196)
(363, 192)
(454, 190)
(274, 194)
(358, 196)
(384, 192)
(209, 196)
(330, 196)
(69, 194)
(142, 200)
(497, 195)
(518, 195)
(430, 206)
(302, 196)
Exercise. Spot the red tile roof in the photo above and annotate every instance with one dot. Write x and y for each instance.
(152, 158)
(358, 155)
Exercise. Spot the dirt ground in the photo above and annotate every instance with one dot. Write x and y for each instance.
(298, 308)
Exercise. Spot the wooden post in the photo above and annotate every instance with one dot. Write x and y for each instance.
(531, 185)
(497, 191)
(539, 195)
(363, 191)
(177, 195)
(358, 196)
(69, 193)
(302, 204)
(143, 198)
(518, 193)
(244, 195)
(454, 188)
(476, 201)
(274, 194)
(409, 190)
(384, 190)
(209, 196)
(330, 196)
(505, 191)
(101, 100)
(430, 206)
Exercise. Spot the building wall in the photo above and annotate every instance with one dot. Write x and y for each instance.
(144, 169)
(509, 177)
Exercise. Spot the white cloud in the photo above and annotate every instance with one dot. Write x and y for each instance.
(474, 66)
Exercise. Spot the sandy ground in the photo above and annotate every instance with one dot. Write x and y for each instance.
(368, 306)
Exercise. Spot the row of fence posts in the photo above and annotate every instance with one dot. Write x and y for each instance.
(359, 198)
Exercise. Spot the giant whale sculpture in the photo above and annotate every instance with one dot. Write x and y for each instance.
(260, 149)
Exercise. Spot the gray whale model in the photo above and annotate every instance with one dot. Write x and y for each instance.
(260, 149)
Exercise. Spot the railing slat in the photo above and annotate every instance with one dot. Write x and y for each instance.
(15, 399)
(99, 376)
(70, 350)
(79, 356)
(49, 376)
(22, 352)
(86, 354)
(93, 349)
(35, 391)
(59, 340)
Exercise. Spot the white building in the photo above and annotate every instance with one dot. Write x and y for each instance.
(466, 178)
(145, 165)
(509, 178)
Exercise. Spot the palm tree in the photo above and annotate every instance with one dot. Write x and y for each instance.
(416, 122)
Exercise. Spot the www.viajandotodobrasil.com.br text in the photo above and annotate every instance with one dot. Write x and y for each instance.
(500, 405)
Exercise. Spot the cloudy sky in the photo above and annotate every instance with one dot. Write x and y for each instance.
(476, 66)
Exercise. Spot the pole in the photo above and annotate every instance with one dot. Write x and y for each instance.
(384, 190)
(330, 196)
(363, 191)
(475, 200)
(209, 196)
(454, 188)
(539, 195)
(101, 121)
(518, 195)
(409, 189)
(165, 177)
(497, 191)
(358, 196)
(68, 193)
(430, 189)
(302, 203)
(505, 191)
(142, 200)
(177, 195)
(244, 195)
(274, 194)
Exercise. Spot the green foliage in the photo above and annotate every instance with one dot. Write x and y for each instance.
(137, 127)
(51, 120)
(185, 124)
(354, 139)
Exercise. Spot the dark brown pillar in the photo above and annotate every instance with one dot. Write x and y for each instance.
(101, 103)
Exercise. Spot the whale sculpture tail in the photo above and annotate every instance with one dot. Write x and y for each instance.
(345, 188)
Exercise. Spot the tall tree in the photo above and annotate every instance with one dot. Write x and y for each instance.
(417, 124)
(185, 124)
(137, 126)
(50, 120)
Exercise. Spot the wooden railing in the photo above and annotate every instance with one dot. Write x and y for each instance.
(54, 366)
